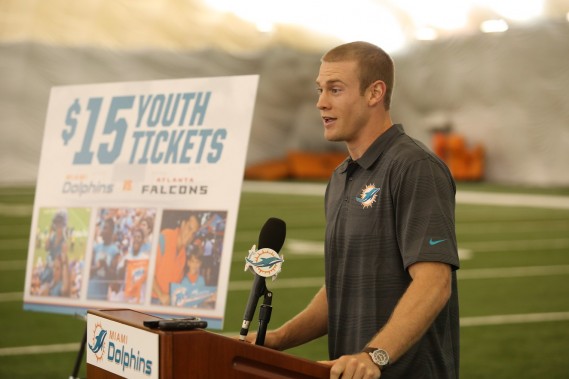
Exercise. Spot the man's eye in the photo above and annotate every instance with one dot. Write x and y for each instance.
(319, 90)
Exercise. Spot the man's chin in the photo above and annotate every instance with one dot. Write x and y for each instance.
(330, 136)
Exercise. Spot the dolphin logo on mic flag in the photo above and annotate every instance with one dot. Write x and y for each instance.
(264, 262)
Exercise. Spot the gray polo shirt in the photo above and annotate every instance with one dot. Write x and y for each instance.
(389, 209)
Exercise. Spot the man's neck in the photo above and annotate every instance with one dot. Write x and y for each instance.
(367, 136)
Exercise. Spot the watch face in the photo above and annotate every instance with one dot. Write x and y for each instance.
(380, 357)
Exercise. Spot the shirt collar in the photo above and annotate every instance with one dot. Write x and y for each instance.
(376, 149)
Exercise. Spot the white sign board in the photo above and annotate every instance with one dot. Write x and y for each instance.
(137, 196)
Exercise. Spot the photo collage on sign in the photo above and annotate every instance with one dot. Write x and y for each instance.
(185, 253)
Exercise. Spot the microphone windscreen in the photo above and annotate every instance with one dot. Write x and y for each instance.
(272, 234)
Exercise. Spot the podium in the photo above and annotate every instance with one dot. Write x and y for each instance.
(202, 354)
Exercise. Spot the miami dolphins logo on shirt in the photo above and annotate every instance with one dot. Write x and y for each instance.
(368, 196)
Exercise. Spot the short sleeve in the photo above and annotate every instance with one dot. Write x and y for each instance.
(424, 200)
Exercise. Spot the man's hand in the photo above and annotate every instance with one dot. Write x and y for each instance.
(164, 298)
(357, 366)
(250, 338)
(270, 339)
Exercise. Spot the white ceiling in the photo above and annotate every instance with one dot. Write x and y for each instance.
(247, 25)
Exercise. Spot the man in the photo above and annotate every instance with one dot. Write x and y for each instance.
(104, 254)
(55, 245)
(57, 242)
(132, 270)
(171, 256)
(390, 250)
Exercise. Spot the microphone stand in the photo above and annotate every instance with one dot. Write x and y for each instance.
(264, 317)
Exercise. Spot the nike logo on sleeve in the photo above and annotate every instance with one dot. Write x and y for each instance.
(435, 242)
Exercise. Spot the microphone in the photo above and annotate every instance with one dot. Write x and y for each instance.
(272, 237)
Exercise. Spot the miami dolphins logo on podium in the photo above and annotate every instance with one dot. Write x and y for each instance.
(98, 341)
(264, 262)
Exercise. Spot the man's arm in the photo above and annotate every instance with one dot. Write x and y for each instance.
(65, 280)
(425, 297)
(423, 300)
(309, 324)
(164, 298)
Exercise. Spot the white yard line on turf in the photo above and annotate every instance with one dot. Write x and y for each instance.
(40, 349)
(317, 189)
(11, 296)
(513, 319)
(462, 197)
(16, 209)
(469, 274)
(464, 322)
(12, 265)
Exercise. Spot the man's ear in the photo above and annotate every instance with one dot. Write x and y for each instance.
(377, 92)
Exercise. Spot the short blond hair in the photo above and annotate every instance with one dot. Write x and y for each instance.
(373, 63)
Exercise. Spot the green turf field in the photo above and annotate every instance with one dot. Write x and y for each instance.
(514, 296)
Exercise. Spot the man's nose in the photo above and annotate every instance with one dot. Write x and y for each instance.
(322, 102)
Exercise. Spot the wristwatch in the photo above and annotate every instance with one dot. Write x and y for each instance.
(378, 356)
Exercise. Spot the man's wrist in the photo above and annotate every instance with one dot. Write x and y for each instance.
(378, 356)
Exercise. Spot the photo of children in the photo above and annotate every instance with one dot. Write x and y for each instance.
(121, 255)
(61, 240)
(188, 258)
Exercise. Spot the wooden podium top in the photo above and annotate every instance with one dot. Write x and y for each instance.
(125, 316)
(202, 354)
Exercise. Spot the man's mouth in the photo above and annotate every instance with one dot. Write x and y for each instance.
(328, 120)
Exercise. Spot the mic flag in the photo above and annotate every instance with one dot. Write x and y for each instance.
(264, 262)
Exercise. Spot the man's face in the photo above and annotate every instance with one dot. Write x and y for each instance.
(188, 228)
(107, 232)
(343, 110)
(137, 240)
(58, 226)
(144, 225)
